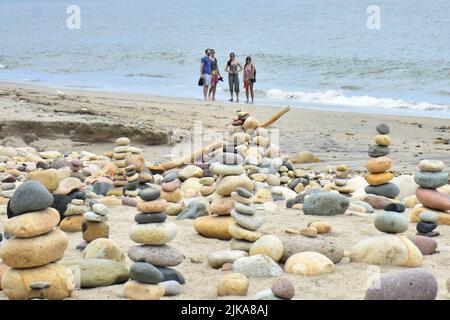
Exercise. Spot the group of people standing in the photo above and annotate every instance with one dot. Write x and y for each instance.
(210, 76)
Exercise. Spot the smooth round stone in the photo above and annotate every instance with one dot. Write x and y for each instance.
(433, 199)
(101, 188)
(376, 151)
(94, 230)
(214, 227)
(100, 209)
(426, 227)
(250, 222)
(266, 294)
(309, 264)
(391, 222)
(159, 205)
(325, 204)
(149, 194)
(194, 210)
(227, 169)
(431, 165)
(226, 185)
(382, 140)
(159, 256)
(240, 233)
(379, 165)
(68, 185)
(244, 209)
(257, 266)
(243, 192)
(33, 223)
(429, 216)
(103, 248)
(376, 179)
(222, 205)
(412, 284)
(60, 203)
(283, 288)
(242, 200)
(376, 202)
(232, 284)
(172, 288)
(383, 128)
(431, 180)
(92, 273)
(170, 177)
(170, 186)
(93, 217)
(145, 273)
(340, 182)
(207, 181)
(426, 245)
(217, 259)
(388, 190)
(153, 233)
(396, 207)
(324, 246)
(29, 196)
(172, 274)
(8, 186)
(268, 245)
(143, 218)
(21, 284)
(122, 141)
(36, 251)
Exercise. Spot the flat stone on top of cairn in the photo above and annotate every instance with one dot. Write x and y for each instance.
(340, 180)
(153, 257)
(35, 247)
(378, 167)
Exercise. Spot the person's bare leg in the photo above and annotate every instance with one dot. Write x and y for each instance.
(252, 92)
(237, 97)
(246, 93)
(214, 92)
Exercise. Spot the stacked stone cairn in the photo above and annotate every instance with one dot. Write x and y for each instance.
(131, 188)
(150, 273)
(121, 159)
(378, 175)
(76, 166)
(170, 191)
(35, 247)
(435, 204)
(95, 226)
(244, 230)
(74, 216)
(340, 181)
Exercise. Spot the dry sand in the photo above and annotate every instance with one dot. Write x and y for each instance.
(336, 137)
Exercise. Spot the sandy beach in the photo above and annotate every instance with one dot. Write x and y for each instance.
(63, 120)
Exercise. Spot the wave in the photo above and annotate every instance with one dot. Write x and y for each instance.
(146, 75)
(332, 97)
(2, 66)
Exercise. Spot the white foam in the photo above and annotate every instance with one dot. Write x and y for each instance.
(332, 97)
(2, 66)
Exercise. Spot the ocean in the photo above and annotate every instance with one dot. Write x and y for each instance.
(320, 54)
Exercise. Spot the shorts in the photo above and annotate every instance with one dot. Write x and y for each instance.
(214, 79)
(207, 79)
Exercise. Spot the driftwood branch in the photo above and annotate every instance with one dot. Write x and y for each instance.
(210, 148)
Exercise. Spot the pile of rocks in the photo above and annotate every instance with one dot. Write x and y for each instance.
(230, 176)
(430, 178)
(245, 230)
(379, 176)
(340, 181)
(77, 166)
(170, 191)
(95, 226)
(118, 157)
(74, 216)
(35, 247)
(153, 257)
